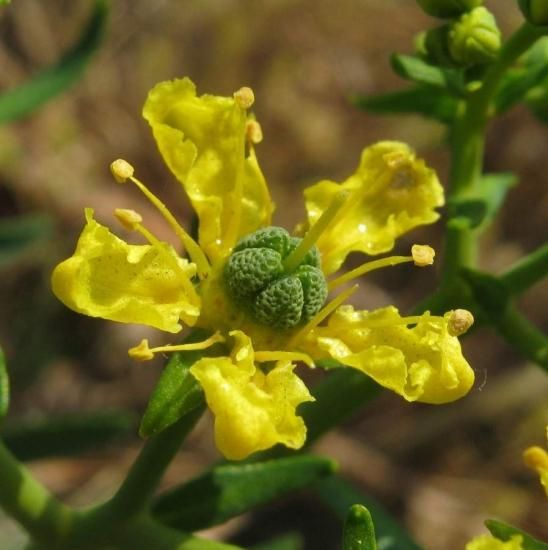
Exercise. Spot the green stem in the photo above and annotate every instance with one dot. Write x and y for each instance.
(468, 146)
(30, 503)
(527, 271)
(524, 336)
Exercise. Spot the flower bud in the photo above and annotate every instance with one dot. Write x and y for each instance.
(433, 46)
(475, 38)
(446, 9)
(535, 11)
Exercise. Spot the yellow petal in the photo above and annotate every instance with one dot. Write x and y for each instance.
(392, 192)
(253, 411)
(488, 542)
(111, 279)
(203, 141)
(423, 363)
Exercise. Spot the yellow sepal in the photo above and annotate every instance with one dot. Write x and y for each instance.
(422, 363)
(391, 192)
(203, 142)
(253, 410)
(145, 284)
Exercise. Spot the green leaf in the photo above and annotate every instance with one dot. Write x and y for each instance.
(340, 495)
(427, 101)
(4, 387)
(359, 531)
(177, 392)
(230, 490)
(503, 531)
(67, 435)
(478, 208)
(19, 233)
(518, 82)
(287, 541)
(415, 69)
(50, 82)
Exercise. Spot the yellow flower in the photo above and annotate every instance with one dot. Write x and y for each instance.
(536, 458)
(488, 542)
(260, 285)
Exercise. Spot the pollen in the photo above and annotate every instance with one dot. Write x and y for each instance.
(128, 218)
(423, 255)
(244, 97)
(460, 321)
(121, 170)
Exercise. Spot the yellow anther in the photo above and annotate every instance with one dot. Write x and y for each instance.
(128, 218)
(263, 356)
(121, 170)
(536, 458)
(423, 254)
(253, 131)
(460, 321)
(141, 352)
(244, 97)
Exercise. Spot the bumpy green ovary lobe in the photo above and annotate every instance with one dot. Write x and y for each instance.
(257, 282)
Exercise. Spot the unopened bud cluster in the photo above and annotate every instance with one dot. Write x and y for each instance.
(257, 281)
(472, 37)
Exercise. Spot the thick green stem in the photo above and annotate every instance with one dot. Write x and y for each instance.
(524, 336)
(30, 503)
(527, 271)
(468, 145)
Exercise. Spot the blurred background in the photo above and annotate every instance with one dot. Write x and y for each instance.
(439, 470)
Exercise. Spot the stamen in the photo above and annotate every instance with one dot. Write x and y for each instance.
(263, 356)
(423, 254)
(253, 131)
(366, 268)
(244, 97)
(121, 173)
(322, 314)
(143, 353)
(460, 321)
(296, 257)
(128, 218)
(132, 220)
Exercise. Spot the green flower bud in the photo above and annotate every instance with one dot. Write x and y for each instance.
(475, 38)
(446, 9)
(256, 280)
(435, 47)
(535, 11)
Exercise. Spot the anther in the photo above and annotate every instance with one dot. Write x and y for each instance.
(244, 97)
(121, 170)
(141, 352)
(422, 254)
(460, 321)
(128, 218)
(253, 131)
(536, 458)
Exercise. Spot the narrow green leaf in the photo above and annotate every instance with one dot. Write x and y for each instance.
(230, 490)
(415, 69)
(527, 271)
(503, 531)
(518, 82)
(19, 233)
(4, 387)
(50, 82)
(287, 541)
(340, 495)
(479, 207)
(177, 391)
(359, 531)
(67, 435)
(428, 101)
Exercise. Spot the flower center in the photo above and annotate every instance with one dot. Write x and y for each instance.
(260, 281)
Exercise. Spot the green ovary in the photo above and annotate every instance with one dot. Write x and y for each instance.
(257, 282)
